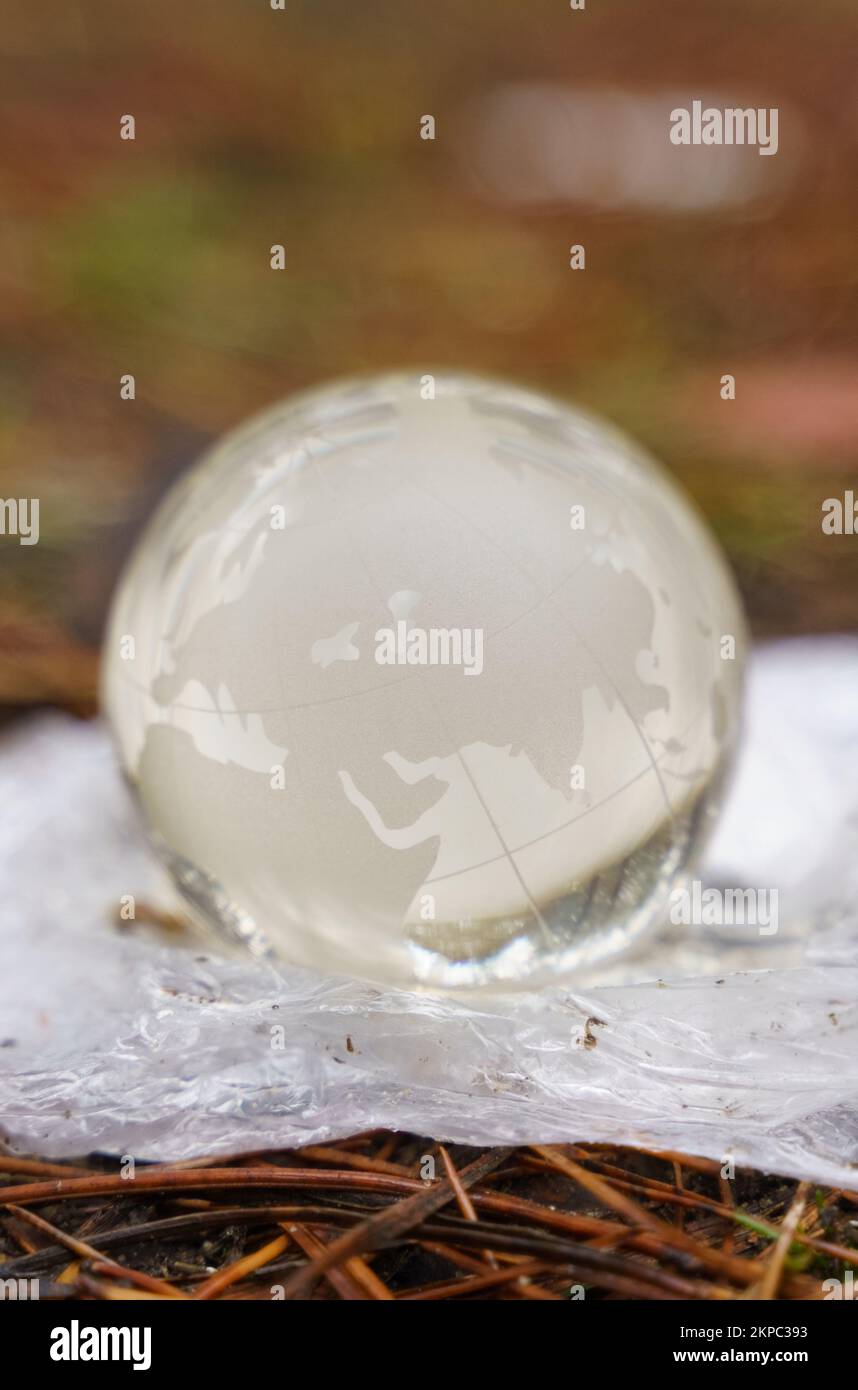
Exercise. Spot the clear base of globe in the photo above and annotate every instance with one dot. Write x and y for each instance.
(599, 918)
(430, 684)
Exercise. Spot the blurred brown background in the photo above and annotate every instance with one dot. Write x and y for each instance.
(301, 127)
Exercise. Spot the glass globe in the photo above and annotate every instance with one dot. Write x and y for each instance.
(428, 680)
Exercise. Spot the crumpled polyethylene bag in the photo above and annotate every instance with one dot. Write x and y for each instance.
(711, 1042)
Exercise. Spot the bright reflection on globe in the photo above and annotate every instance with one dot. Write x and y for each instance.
(429, 680)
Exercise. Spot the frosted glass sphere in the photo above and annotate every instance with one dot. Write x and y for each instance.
(428, 680)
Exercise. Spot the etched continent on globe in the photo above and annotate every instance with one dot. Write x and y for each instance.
(426, 680)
